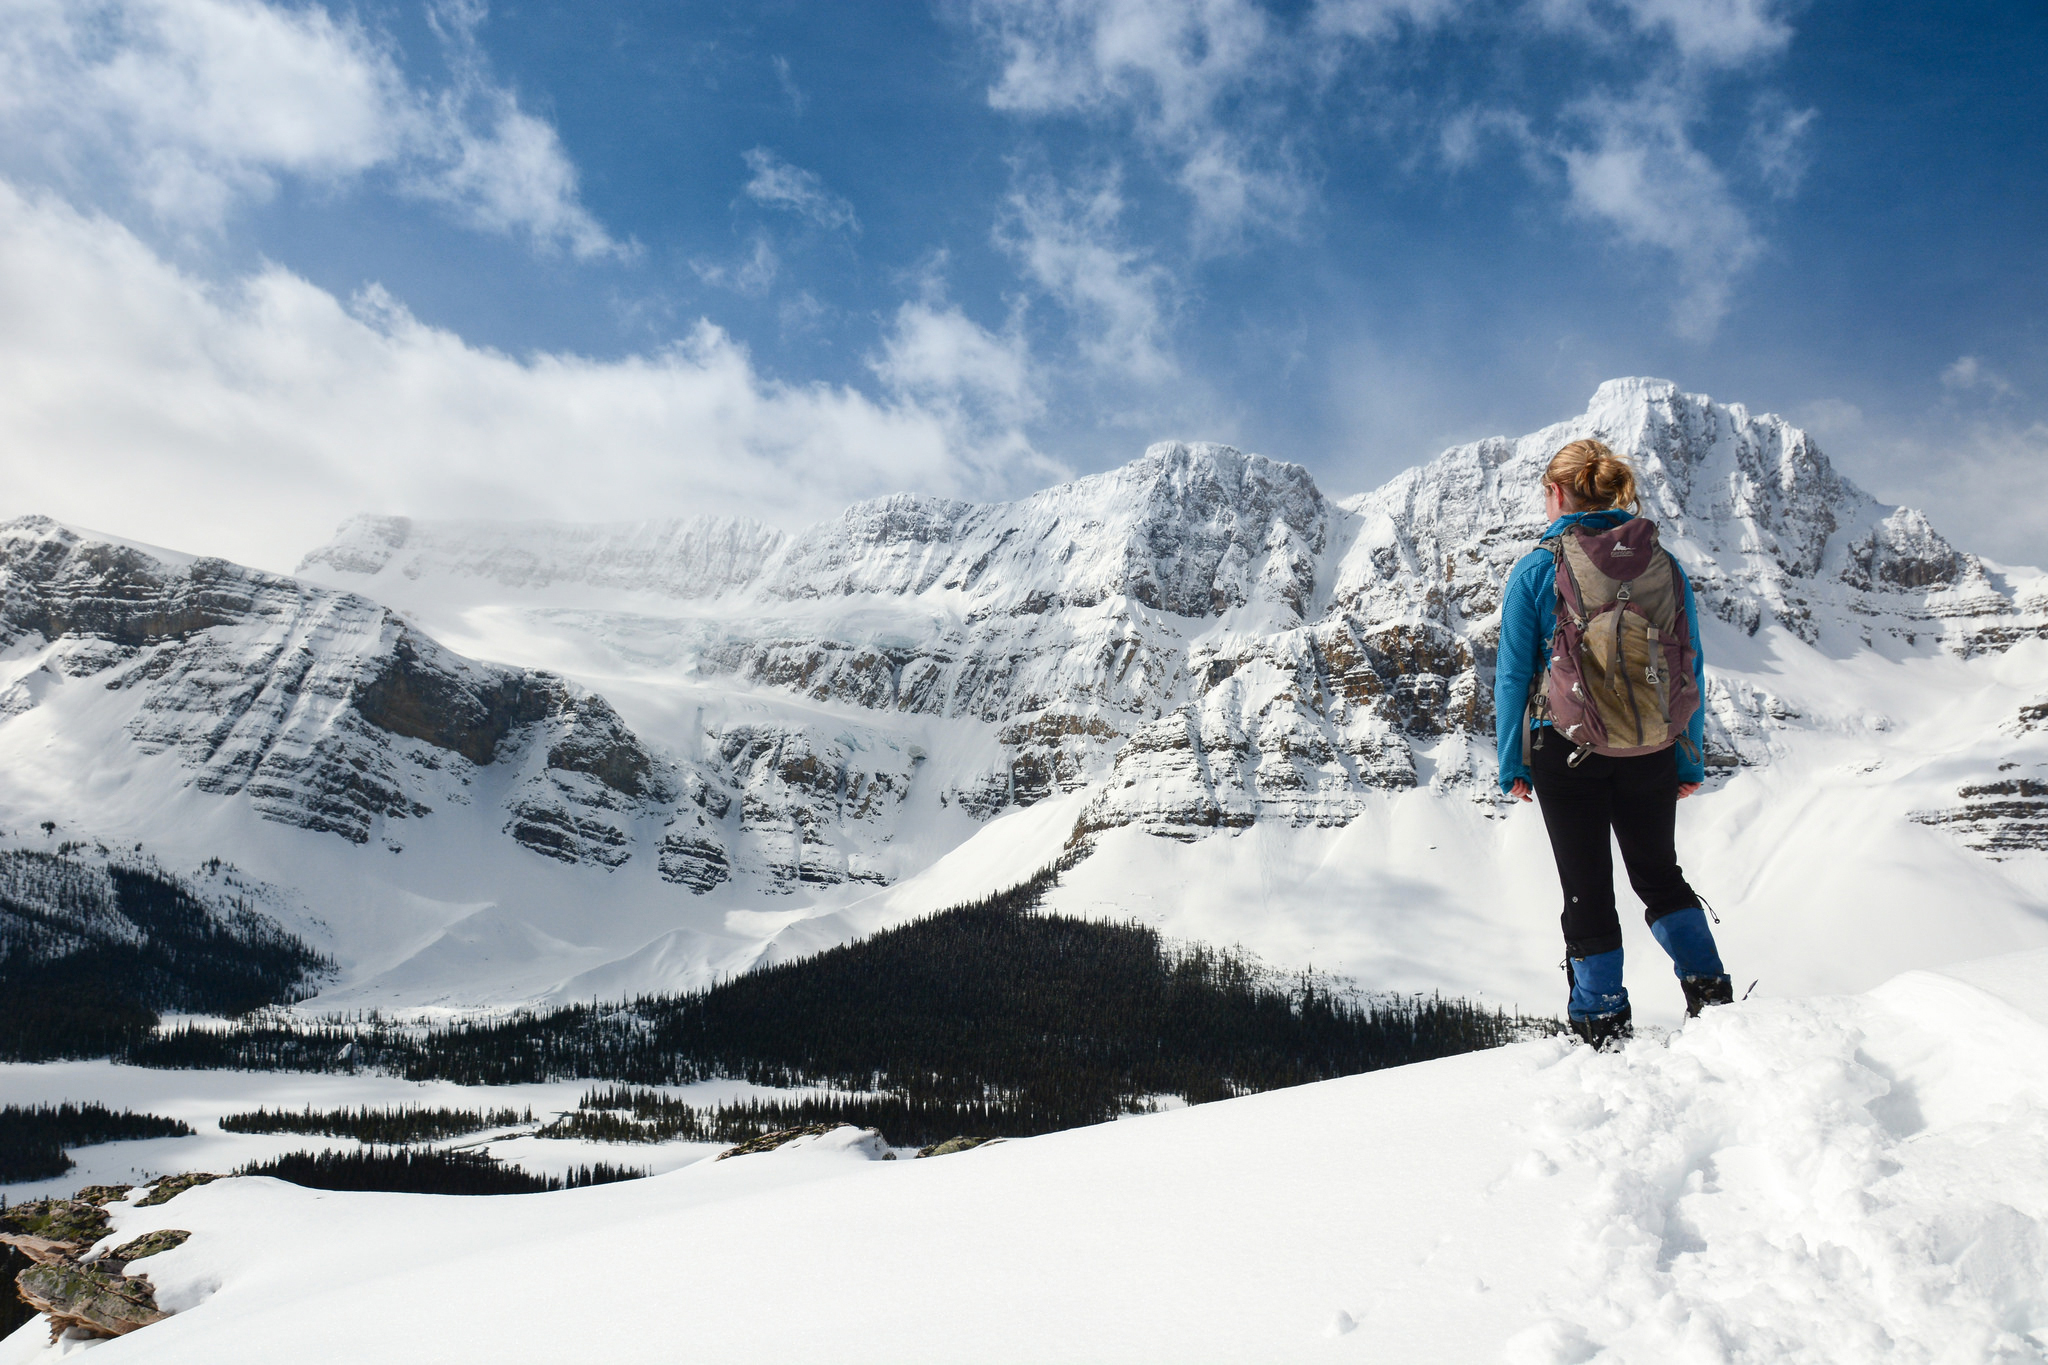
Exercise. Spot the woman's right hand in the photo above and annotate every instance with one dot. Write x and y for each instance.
(1520, 791)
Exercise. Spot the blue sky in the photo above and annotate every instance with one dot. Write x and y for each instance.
(267, 265)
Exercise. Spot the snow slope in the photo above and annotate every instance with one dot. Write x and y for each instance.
(1241, 709)
(1831, 1179)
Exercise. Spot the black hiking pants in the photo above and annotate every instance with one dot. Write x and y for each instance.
(1633, 799)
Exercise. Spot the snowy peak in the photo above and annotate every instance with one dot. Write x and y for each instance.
(1192, 530)
(1763, 522)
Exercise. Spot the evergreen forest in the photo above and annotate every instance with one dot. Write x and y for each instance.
(33, 1138)
(91, 950)
(407, 1171)
(391, 1127)
(991, 1019)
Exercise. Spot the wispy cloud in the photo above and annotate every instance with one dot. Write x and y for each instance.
(197, 106)
(499, 166)
(1633, 167)
(1068, 242)
(784, 78)
(752, 274)
(936, 353)
(1778, 144)
(1186, 75)
(777, 184)
(1709, 32)
(1968, 374)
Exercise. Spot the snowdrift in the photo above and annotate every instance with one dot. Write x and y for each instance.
(1848, 1178)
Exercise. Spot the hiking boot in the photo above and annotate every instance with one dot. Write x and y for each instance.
(1605, 1032)
(1702, 991)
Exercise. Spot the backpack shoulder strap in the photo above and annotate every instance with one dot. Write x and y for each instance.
(1554, 547)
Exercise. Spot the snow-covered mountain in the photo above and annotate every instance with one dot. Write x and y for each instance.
(1233, 706)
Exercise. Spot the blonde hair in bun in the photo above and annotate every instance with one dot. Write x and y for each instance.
(1593, 477)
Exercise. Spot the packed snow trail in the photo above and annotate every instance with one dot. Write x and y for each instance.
(1841, 1179)
(1827, 1180)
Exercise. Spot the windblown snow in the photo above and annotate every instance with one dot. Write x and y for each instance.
(482, 763)
(1826, 1179)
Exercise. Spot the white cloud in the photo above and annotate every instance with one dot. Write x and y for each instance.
(787, 81)
(1068, 243)
(1969, 374)
(1637, 171)
(247, 419)
(752, 275)
(1187, 73)
(1777, 143)
(195, 106)
(1705, 32)
(936, 353)
(1726, 32)
(780, 185)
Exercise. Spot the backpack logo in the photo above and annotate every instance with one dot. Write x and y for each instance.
(1618, 551)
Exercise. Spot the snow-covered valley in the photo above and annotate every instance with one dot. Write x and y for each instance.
(1826, 1179)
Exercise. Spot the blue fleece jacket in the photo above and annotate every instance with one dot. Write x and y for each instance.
(1528, 615)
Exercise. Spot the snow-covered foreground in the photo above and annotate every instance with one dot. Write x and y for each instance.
(1856, 1178)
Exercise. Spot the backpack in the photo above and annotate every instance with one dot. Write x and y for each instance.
(1620, 677)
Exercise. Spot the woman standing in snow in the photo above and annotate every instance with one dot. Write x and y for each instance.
(1564, 703)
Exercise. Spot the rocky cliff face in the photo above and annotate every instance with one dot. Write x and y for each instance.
(332, 713)
(1394, 676)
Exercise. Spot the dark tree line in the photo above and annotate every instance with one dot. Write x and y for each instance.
(989, 1019)
(630, 1115)
(33, 1138)
(389, 1127)
(406, 1170)
(90, 953)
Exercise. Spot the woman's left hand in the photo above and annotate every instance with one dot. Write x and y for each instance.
(1686, 789)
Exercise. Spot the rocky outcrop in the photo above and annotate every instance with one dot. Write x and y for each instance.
(87, 1300)
(171, 1186)
(868, 1140)
(956, 1144)
(79, 1293)
(2001, 817)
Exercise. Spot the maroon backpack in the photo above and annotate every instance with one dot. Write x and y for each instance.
(1620, 679)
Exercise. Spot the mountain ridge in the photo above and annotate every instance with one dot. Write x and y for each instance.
(1196, 643)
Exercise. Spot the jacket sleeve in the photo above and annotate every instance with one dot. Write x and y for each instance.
(1515, 661)
(1693, 767)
